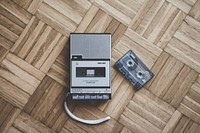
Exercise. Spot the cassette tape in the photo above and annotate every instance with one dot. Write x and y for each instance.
(134, 69)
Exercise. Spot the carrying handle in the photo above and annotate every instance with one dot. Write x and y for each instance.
(90, 122)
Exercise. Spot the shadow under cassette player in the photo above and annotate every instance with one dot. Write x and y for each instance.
(90, 66)
(134, 69)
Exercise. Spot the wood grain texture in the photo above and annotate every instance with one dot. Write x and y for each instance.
(13, 19)
(185, 43)
(34, 65)
(146, 112)
(24, 122)
(8, 115)
(190, 105)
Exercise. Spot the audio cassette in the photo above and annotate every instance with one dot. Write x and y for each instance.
(134, 69)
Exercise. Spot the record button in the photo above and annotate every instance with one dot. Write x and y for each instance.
(93, 97)
(99, 96)
(105, 96)
(81, 97)
(75, 97)
(87, 96)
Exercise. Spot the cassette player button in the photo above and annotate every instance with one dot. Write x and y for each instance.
(93, 97)
(87, 96)
(105, 97)
(75, 97)
(81, 97)
(99, 97)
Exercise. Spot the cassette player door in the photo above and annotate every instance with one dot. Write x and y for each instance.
(90, 73)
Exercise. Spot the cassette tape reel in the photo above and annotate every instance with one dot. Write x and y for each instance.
(134, 69)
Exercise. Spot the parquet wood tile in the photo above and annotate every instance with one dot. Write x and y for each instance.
(146, 113)
(185, 43)
(159, 22)
(13, 20)
(13, 94)
(190, 104)
(123, 11)
(182, 124)
(34, 65)
(8, 114)
(173, 79)
(194, 12)
(25, 123)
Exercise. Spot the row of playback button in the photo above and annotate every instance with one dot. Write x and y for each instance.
(92, 97)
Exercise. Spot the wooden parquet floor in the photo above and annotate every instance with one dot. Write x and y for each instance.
(34, 65)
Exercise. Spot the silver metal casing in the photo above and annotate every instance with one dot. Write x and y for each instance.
(90, 66)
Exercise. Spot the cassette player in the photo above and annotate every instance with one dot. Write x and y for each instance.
(90, 66)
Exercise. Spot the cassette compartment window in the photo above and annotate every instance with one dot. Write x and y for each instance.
(90, 72)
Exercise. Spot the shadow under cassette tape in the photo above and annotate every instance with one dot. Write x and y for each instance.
(134, 69)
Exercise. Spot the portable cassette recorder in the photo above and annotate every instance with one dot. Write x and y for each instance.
(90, 66)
